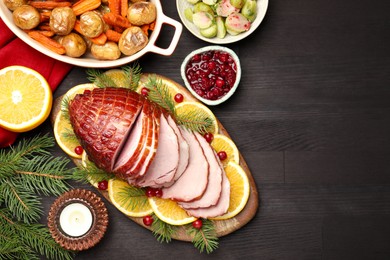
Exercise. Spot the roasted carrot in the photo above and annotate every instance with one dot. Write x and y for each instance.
(113, 35)
(48, 4)
(114, 6)
(99, 40)
(83, 6)
(47, 42)
(116, 20)
(124, 7)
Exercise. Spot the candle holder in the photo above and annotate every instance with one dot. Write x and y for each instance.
(89, 223)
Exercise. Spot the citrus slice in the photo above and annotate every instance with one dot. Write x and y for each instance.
(239, 190)
(224, 143)
(63, 131)
(64, 135)
(135, 205)
(119, 77)
(25, 99)
(186, 109)
(170, 212)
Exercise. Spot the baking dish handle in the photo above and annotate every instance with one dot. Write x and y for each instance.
(175, 39)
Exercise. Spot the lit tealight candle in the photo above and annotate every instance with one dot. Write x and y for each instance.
(76, 219)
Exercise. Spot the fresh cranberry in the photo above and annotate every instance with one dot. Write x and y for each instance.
(158, 193)
(148, 220)
(222, 155)
(150, 192)
(209, 137)
(179, 98)
(78, 150)
(103, 185)
(211, 74)
(144, 92)
(197, 224)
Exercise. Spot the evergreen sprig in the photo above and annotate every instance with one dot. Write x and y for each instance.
(21, 241)
(132, 197)
(194, 120)
(204, 239)
(103, 80)
(162, 230)
(27, 171)
(90, 173)
(159, 93)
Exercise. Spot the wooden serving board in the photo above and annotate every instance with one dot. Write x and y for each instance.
(223, 227)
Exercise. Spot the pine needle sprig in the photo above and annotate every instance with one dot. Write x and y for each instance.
(90, 173)
(132, 197)
(45, 175)
(159, 93)
(162, 230)
(134, 74)
(65, 107)
(100, 79)
(204, 239)
(23, 203)
(194, 120)
(27, 240)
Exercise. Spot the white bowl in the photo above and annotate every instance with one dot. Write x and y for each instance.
(212, 48)
(262, 6)
(87, 60)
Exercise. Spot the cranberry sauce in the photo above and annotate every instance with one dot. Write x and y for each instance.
(211, 74)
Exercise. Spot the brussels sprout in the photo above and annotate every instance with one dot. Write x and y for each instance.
(202, 7)
(188, 14)
(224, 8)
(209, 2)
(237, 3)
(202, 20)
(237, 23)
(221, 30)
(193, 1)
(209, 32)
(249, 10)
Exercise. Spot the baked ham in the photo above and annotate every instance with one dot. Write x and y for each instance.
(125, 134)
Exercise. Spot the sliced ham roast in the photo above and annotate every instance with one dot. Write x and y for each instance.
(103, 132)
(126, 134)
(214, 185)
(193, 182)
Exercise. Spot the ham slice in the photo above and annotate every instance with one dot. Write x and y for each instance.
(166, 161)
(193, 182)
(135, 143)
(214, 185)
(220, 208)
(103, 132)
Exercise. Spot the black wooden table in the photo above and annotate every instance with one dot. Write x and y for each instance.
(312, 119)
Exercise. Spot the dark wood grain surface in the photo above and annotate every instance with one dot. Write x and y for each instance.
(312, 119)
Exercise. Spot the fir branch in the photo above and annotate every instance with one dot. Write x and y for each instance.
(162, 230)
(100, 79)
(44, 175)
(204, 238)
(24, 204)
(65, 107)
(195, 121)
(69, 135)
(134, 74)
(159, 93)
(29, 237)
(90, 173)
(132, 197)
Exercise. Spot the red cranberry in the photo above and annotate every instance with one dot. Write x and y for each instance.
(209, 137)
(148, 220)
(222, 155)
(78, 150)
(150, 192)
(179, 98)
(103, 185)
(211, 74)
(144, 92)
(197, 224)
(158, 193)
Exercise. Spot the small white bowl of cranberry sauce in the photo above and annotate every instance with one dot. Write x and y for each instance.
(211, 74)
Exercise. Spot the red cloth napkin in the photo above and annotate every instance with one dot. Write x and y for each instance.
(14, 51)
